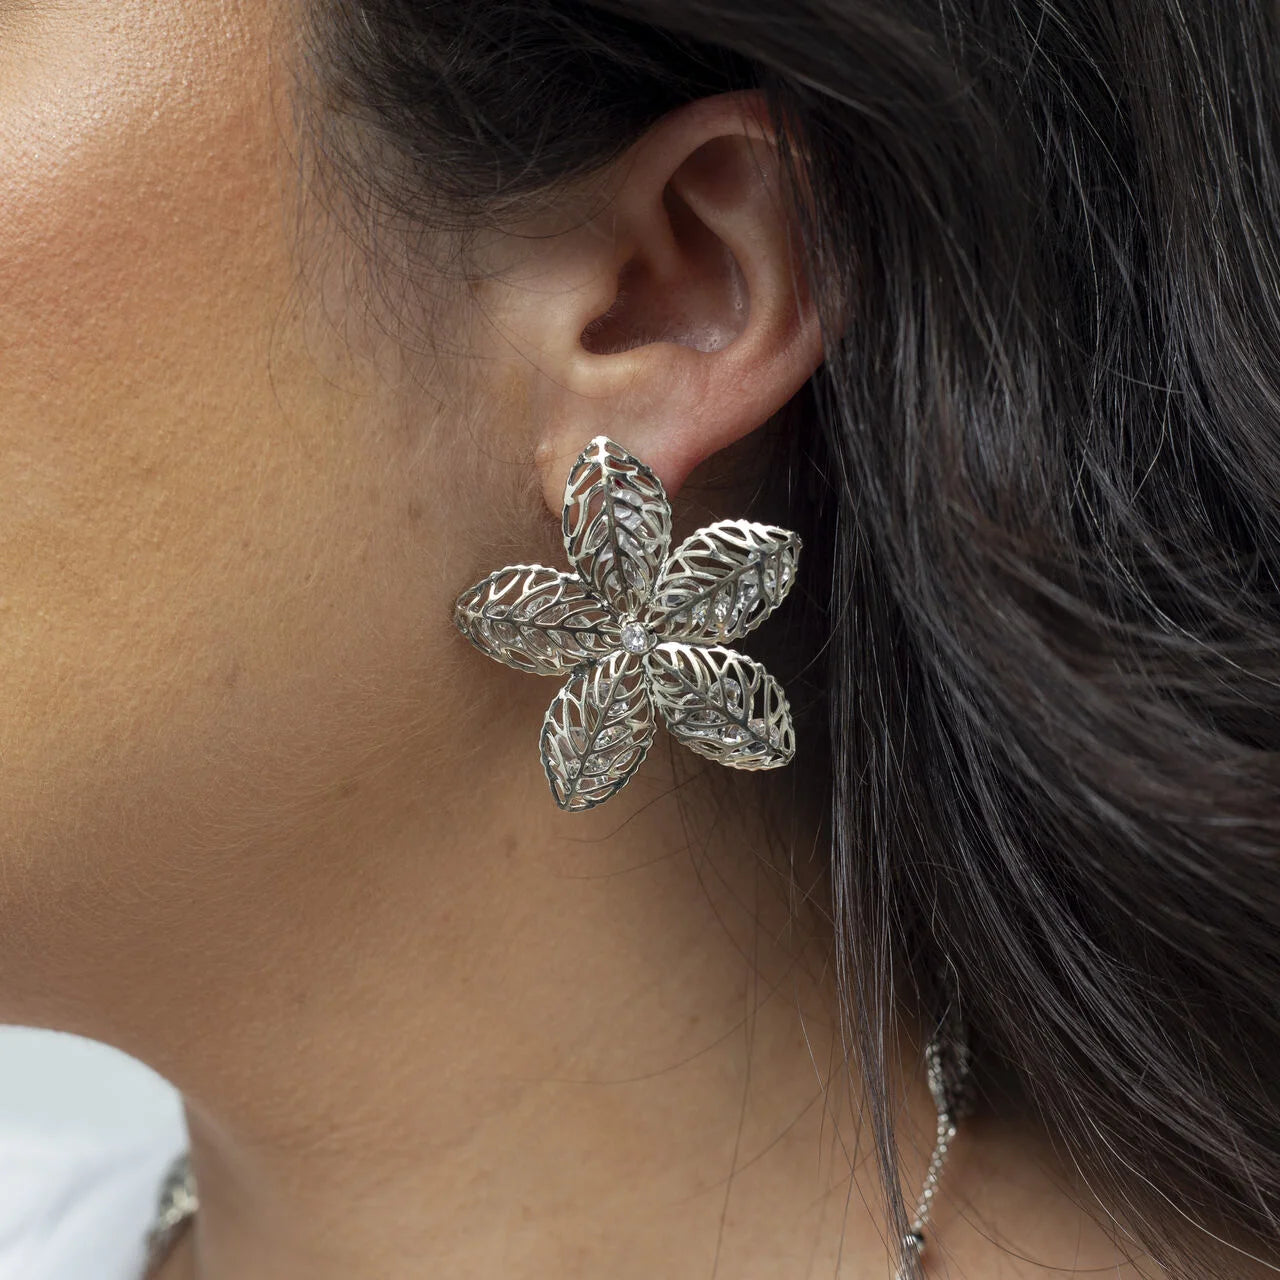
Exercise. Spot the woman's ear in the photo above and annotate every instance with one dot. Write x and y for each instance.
(675, 319)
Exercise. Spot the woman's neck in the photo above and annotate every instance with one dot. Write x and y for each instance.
(497, 1040)
(537, 1045)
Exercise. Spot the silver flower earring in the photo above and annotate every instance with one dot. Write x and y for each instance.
(638, 629)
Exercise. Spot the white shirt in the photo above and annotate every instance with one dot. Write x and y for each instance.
(78, 1208)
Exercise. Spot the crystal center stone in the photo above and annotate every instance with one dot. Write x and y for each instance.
(636, 637)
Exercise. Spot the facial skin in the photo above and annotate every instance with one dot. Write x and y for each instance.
(269, 824)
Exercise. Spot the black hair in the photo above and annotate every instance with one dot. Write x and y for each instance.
(1040, 472)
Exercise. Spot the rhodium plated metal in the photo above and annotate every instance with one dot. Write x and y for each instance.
(640, 630)
(617, 525)
(597, 731)
(948, 1069)
(176, 1204)
(722, 705)
(536, 619)
(724, 580)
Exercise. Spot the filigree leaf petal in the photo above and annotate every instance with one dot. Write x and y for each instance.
(536, 619)
(721, 704)
(617, 524)
(723, 581)
(596, 732)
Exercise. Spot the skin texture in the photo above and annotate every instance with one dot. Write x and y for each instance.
(265, 820)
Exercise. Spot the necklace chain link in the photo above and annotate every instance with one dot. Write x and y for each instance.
(175, 1207)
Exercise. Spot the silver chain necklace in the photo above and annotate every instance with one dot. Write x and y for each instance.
(947, 1065)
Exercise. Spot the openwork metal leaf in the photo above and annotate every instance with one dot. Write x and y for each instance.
(724, 580)
(597, 731)
(722, 705)
(535, 619)
(617, 524)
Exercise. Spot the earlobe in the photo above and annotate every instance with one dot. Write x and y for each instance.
(701, 326)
